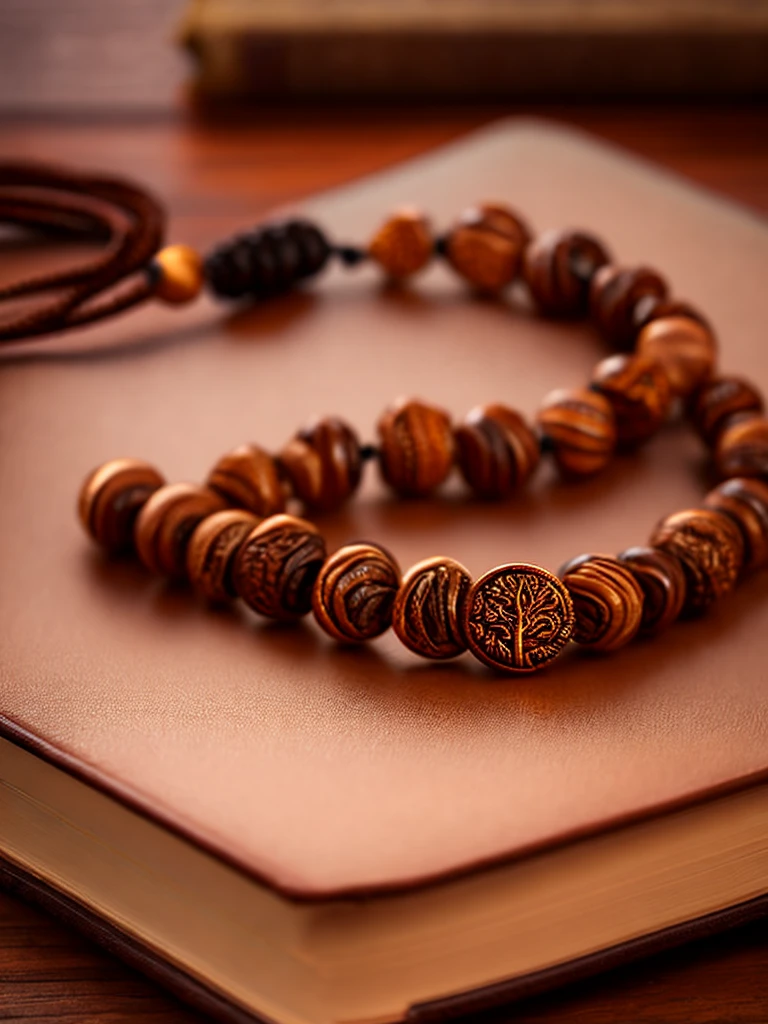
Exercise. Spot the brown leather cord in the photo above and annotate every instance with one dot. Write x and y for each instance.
(127, 219)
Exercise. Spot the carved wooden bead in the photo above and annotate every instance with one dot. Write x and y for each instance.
(662, 581)
(709, 547)
(639, 394)
(403, 245)
(558, 268)
(248, 478)
(721, 399)
(496, 450)
(276, 566)
(429, 608)
(745, 500)
(486, 246)
(323, 463)
(111, 498)
(685, 348)
(613, 297)
(581, 429)
(742, 448)
(212, 549)
(166, 523)
(607, 601)
(354, 592)
(417, 447)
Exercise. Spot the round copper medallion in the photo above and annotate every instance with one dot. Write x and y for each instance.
(518, 617)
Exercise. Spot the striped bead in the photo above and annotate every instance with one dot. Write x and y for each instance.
(639, 394)
(354, 592)
(417, 447)
(247, 477)
(429, 607)
(111, 498)
(685, 348)
(323, 464)
(166, 523)
(718, 403)
(212, 549)
(742, 448)
(745, 500)
(662, 582)
(607, 601)
(558, 268)
(581, 429)
(614, 296)
(496, 451)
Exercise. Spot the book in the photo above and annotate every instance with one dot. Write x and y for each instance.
(282, 830)
(475, 49)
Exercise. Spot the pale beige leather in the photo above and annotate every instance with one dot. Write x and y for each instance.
(323, 769)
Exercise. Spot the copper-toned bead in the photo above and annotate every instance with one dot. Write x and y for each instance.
(662, 581)
(496, 450)
(323, 463)
(709, 547)
(276, 566)
(416, 447)
(581, 429)
(517, 618)
(745, 500)
(403, 245)
(721, 399)
(111, 498)
(486, 246)
(613, 297)
(558, 268)
(639, 393)
(179, 274)
(653, 308)
(429, 607)
(685, 348)
(354, 592)
(166, 523)
(742, 448)
(607, 601)
(212, 549)
(247, 477)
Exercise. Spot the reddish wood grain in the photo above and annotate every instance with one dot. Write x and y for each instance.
(208, 171)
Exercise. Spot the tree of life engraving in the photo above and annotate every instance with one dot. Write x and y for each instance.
(519, 617)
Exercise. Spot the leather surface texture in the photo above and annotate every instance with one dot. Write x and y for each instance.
(325, 770)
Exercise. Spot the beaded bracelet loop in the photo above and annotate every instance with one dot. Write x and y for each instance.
(233, 538)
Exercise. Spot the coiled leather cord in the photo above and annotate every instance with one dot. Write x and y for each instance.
(127, 219)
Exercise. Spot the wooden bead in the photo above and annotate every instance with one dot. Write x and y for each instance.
(276, 566)
(580, 427)
(323, 463)
(248, 478)
(662, 581)
(685, 348)
(166, 523)
(179, 274)
(403, 245)
(111, 498)
(558, 268)
(416, 447)
(742, 448)
(429, 608)
(709, 547)
(721, 399)
(496, 450)
(212, 549)
(517, 618)
(639, 394)
(651, 307)
(353, 595)
(607, 601)
(486, 246)
(745, 500)
(613, 297)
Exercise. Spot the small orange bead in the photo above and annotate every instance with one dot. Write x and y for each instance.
(180, 274)
(403, 245)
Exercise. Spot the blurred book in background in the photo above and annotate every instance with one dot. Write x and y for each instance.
(479, 49)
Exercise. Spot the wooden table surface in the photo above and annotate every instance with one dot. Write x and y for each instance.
(47, 972)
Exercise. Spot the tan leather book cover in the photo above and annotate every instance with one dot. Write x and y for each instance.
(324, 770)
